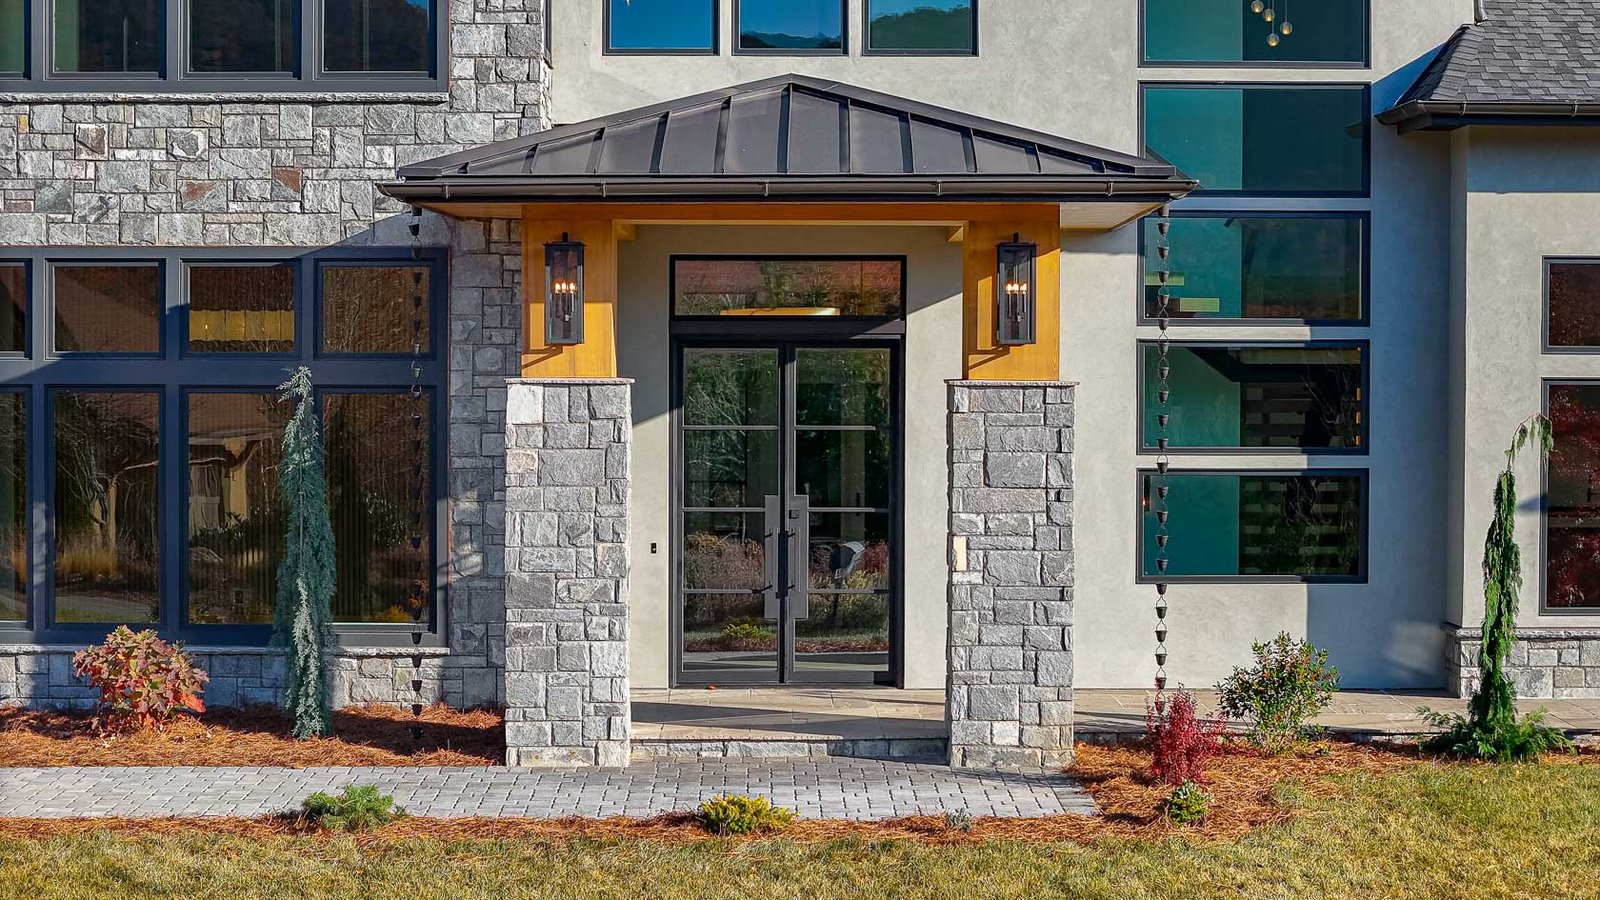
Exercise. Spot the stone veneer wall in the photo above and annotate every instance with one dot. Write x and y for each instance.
(300, 171)
(567, 481)
(1546, 663)
(1009, 698)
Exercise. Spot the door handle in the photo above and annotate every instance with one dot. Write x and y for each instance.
(769, 561)
(800, 558)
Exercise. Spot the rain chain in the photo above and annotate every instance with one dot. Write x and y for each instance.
(417, 482)
(1160, 485)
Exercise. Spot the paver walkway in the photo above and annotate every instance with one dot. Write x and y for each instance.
(815, 788)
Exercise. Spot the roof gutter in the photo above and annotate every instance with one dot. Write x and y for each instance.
(1447, 115)
(1042, 190)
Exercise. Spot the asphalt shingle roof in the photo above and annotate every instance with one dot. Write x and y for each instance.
(1525, 51)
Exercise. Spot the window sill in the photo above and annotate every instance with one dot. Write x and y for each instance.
(103, 96)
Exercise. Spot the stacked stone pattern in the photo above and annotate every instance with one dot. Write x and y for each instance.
(1546, 663)
(301, 171)
(1010, 688)
(566, 658)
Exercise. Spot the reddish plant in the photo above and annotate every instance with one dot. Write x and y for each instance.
(1180, 741)
(143, 680)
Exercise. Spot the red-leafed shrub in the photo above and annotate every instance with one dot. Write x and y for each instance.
(143, 680)
(1181, 743)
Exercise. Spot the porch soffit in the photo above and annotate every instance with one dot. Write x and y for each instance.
(793, 139)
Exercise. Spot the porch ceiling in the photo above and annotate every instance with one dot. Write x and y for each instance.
(792, 139)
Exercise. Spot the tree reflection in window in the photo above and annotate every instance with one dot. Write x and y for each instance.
(106, 501)
(13, 506)
(1572, 513)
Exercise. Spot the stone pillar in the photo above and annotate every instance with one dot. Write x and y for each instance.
(567, 445)
(1009, 698)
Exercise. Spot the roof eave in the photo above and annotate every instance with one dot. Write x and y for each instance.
(1044, 189)
(1448, 115)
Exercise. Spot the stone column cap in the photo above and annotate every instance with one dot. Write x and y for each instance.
(981, 382)
(561, 382)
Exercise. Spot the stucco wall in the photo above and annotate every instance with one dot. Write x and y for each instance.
(933, 354)
(1526, 194)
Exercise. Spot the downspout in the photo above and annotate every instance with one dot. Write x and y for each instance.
(1479, 13)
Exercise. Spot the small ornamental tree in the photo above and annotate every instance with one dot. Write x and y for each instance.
(1491, 729)
(1181, 743)
(302, 619)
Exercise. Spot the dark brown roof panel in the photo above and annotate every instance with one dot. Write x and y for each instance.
(755, 125)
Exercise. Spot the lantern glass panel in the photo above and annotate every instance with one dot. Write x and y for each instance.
(1015, 293)
(563, 293)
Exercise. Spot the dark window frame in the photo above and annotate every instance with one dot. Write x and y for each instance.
(1543, 582)
(1362, 344)
(844, 38)
(1364, 192)
(1363, 476)
(868, 50)
(1545, 265)
(1362, 216)
(606, 48)
(175, 374)
(1145, 61)
(838, 325)
(176, 77)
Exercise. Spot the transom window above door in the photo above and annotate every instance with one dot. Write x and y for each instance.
(204, 45)
(845, 287)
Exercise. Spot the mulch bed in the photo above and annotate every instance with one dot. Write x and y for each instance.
(1241, 783)
(257, 736)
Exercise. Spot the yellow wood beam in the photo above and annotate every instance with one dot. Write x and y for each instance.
(985, 358)
(596, 357)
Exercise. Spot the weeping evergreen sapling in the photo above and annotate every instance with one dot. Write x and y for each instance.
(302, 619)
(1491, 729)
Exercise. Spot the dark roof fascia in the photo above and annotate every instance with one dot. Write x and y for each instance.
(1448, 115)
(1133, 165)
(1038, 189)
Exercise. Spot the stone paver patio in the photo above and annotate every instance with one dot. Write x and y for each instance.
(815, 788)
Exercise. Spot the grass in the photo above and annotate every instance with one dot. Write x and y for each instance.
(1425, 832)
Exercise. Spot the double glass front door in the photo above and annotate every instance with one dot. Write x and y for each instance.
(788, 478)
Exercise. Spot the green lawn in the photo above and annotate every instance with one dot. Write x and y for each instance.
(1467, 832)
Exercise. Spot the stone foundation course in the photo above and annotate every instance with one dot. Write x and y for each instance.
(1546, 663)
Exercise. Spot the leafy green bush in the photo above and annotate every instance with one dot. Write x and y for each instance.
(736, 814)
(1289, 684)
(1513, 740)
(356, 809)
(1187, 804)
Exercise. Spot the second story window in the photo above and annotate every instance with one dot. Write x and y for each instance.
(922, 26)
(1235, 32)
(108, 36)
(790, 26)
(191, 46)
(241, 36)
(661, 26)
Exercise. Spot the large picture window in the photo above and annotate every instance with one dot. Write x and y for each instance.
(1262, 139)
(661, 26)
(932, 27)
(1572, 506)
(790, 26)
(1243, 526)
(1216, 32)
(1258, 397)
(157, 502)
(1572, 303)
(194, 46)
(1290, 268)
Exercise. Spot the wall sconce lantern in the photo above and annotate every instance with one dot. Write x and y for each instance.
(1015, 293)
(563, 292)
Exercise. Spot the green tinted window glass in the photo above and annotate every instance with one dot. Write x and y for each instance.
(242, 35)
(13, 36)
(1275, 267)
(1278, 397)
(933, 26)
(1257, 525)
(1261, 139)
(1228, 31)
(377, 35)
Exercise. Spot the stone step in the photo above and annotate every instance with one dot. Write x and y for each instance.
(919, 749)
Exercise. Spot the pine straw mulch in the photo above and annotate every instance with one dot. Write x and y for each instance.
(1244, 785)
(257, 736)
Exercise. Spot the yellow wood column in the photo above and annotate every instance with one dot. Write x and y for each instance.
(985, 359)
(596, 357)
